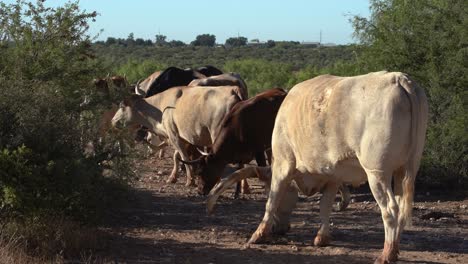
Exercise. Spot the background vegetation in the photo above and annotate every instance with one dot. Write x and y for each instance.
(48, 61)
(48, 187)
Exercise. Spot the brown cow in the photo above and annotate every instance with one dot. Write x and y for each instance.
(119, 81)
(101, 85)
(245, 133)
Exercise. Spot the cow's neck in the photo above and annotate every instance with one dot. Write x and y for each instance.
(149, 115)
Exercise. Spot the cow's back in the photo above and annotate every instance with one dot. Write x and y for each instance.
(329, 119)
(199, 111)
(146, 83)
(226, 79)
(251, 122)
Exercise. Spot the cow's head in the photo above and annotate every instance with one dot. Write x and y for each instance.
(126, 114)
(119, 81)
(101, 85)
(209, 168)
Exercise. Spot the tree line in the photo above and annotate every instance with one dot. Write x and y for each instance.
(204, 40)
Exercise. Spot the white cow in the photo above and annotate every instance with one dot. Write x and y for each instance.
(185, 116)
(332, 130)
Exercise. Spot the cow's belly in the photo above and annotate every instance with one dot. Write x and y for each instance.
(309, 184)
(348, 171)
(199, 136)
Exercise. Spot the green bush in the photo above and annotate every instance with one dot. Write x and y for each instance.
(428, 40)
(261, 75)
(135, 70)
(45, 73)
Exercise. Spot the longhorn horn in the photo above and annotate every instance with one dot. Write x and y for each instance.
(203, 152)
(138, 91)
(191, 162)
(155, 148)
(263, 173)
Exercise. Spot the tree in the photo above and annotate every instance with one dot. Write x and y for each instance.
(47, 66)
(270, 43)
(111, 41)
(140, 42)
(130, 39)
(204, 40)
(428, 40)
(177, 43)
(160, 40)
(236, 41)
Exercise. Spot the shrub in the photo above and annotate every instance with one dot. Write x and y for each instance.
(46, 71)
(428, 40)
(261, 75)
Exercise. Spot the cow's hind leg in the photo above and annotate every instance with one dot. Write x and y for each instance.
(323, 237)
(173, 176)
(280, 182)
(345, 198)
(380, 185)
(238, 184)
(245, 189)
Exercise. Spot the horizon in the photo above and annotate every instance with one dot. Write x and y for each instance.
(298, 20)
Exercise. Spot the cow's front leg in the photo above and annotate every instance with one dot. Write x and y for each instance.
(245, 189)
(281, 220)
(279, 185)
(323, 237)
(173, 176)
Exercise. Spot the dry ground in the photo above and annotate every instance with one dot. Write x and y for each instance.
(169, 224)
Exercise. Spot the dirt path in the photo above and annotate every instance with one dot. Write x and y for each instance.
(169, 224)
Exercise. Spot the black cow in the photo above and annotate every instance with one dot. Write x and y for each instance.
(173, 76)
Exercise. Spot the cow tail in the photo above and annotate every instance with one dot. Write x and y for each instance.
(419, 112)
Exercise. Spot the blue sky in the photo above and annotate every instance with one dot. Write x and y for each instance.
(298, 20)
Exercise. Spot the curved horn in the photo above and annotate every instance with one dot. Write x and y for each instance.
(203, 152)
(190, 162)
(108, 75)
(138, 91)
(224, 184)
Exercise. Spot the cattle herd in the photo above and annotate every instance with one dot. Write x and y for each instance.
(324, 134)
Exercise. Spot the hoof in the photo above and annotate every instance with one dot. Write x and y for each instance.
(257, 239)
(389, 254)
(210, 203)
(383, 260)
(172, 179)
(322, 241)
(190, 183)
